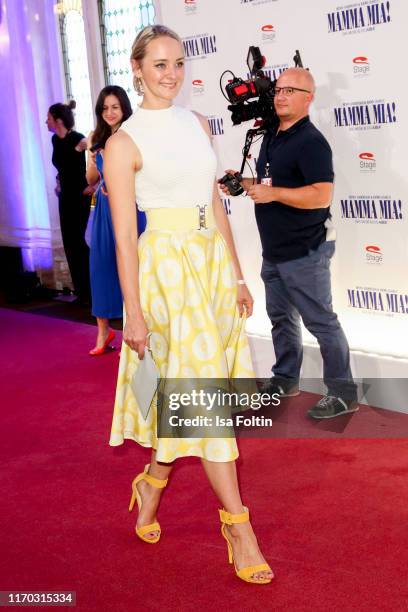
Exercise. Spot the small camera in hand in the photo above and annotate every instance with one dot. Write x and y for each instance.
(232, 182)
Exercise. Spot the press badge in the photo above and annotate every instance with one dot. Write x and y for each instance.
(267, 179)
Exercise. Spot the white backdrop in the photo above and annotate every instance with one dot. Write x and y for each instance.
(355, 54)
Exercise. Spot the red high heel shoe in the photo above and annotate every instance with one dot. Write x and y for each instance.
(95, 352)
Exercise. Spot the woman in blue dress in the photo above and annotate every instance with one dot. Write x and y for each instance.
(112, 108)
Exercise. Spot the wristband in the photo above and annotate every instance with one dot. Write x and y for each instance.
(241, 281)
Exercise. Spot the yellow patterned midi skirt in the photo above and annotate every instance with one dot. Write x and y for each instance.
(188, 296)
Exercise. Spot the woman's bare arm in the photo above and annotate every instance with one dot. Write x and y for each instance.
(244, 297)
(121, 160)
(82, 145)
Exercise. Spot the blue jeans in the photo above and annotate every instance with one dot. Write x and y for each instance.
(302, 288)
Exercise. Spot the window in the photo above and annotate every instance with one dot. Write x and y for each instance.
(75, 62)
(121, 20)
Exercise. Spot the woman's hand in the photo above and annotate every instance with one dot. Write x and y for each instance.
(82, 145)
(88, 190)
(135, 335)
(245, 301)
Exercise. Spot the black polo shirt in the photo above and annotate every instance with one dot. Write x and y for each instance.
(297, 157)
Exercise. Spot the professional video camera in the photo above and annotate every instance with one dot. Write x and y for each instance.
(258, 86)
(239, 92)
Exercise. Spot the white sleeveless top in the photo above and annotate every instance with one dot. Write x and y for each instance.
(179, 164)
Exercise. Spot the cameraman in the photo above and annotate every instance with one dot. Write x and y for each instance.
(292, 197)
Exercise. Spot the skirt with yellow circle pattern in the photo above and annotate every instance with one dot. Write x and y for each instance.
(188, 295)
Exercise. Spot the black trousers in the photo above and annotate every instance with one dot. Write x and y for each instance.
(74, 212)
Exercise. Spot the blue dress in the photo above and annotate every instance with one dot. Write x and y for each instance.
(107, 299)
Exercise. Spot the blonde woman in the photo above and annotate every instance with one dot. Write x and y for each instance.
(182, 285)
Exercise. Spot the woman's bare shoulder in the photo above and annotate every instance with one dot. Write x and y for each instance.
(123, 145)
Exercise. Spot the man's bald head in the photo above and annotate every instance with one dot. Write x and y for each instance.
(291, 107)
(299, 77)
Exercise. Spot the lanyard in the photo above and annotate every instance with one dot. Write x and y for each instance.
(267, 179)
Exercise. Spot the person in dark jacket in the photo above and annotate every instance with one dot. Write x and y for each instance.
(73, 192)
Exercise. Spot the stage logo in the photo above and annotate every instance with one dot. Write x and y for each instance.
(272, 72)
(216, 125)
(367, 162)
(198, 87)
(372, 209)
(365, 115)
(373, 254)
(361, 17)
(190, 7)
(268, 33)
(382, 301)
(361, 66)
(199, 46)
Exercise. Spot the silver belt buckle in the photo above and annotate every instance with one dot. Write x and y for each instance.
(201, 217)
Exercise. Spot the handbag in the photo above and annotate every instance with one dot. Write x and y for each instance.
(144, 382)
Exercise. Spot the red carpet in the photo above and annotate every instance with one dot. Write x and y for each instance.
(331, 514)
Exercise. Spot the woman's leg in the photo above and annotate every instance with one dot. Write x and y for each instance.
(223, 479)
(103, 331)
(151, 495)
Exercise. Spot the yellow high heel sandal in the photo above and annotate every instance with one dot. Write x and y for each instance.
(245, 573)
(158, 484)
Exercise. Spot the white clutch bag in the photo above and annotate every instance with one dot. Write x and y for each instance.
(144, 383)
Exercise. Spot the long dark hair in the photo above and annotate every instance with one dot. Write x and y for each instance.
(103, 130)
(63, 112)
